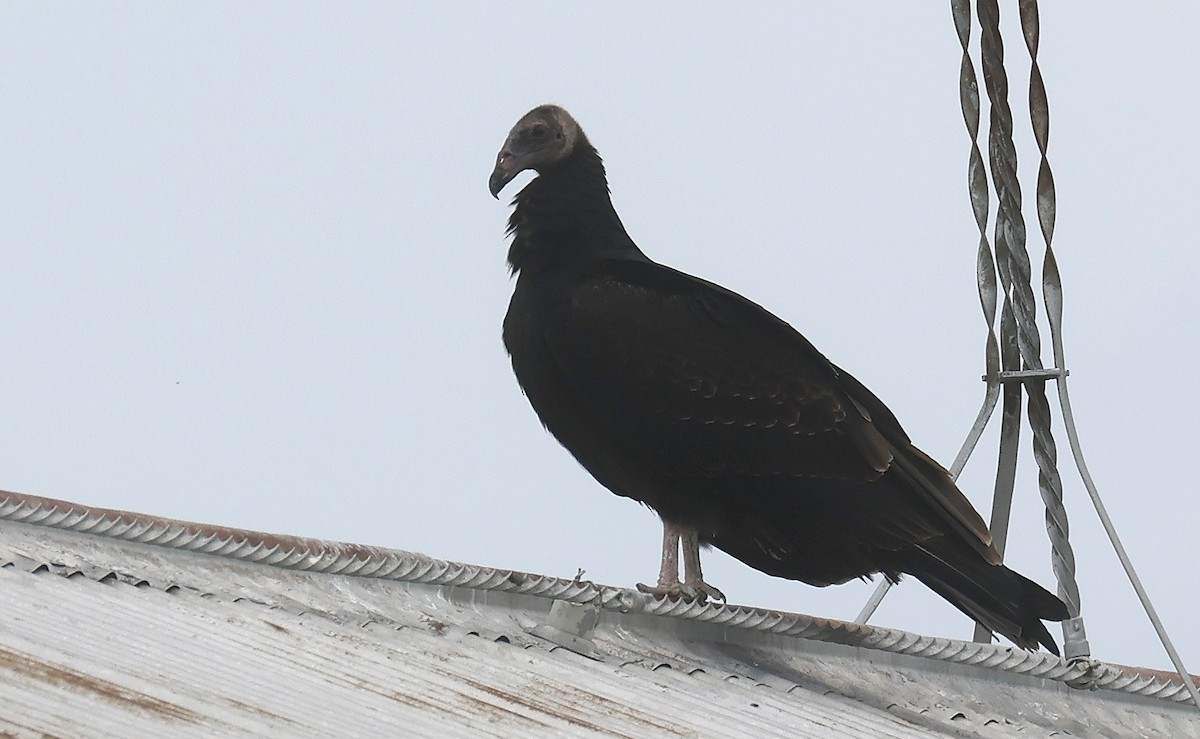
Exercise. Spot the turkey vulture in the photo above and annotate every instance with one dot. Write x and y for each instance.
(721, 417)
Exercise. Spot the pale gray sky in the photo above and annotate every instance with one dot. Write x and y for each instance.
(252, 274)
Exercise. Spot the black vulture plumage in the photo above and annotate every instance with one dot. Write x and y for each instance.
(688, 397)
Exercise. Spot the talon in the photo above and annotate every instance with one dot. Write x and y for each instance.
(708, 591)
(681, 591)
(672, 591)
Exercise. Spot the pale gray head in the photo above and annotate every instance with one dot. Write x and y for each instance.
(542, 138)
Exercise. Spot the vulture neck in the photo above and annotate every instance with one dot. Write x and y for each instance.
(566, 218)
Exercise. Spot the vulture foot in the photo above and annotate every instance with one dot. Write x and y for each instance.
(699, 592)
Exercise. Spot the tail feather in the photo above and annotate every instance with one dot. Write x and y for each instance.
(993, 595)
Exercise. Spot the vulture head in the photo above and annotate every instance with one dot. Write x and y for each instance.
(542, 138)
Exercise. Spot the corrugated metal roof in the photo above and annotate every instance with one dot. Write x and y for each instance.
(106, 635)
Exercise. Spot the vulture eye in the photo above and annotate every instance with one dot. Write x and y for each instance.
(538, 132)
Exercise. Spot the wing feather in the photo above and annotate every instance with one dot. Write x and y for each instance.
(699, 382)
(701, 379)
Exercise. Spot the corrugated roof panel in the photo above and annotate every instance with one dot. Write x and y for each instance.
(98, 659)
(152, 641)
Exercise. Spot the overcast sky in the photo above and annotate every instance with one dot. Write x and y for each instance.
(252, 276)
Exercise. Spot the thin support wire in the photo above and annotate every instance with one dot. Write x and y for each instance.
(985, 265)
(1016, 278)
(1020, 313)
(1020, 346)
(1019, 343)
(1017, 361)
(1052, 295)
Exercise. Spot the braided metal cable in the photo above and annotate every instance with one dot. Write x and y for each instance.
(1016, 278)
(1039, 110)
(1045, 451)
(1010, 229)
(352, 560)
(985, 265)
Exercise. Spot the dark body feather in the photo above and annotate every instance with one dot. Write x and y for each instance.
(683, 395)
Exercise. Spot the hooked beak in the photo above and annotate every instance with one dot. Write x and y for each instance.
(508, 166)
(501, 175)
(514, 158)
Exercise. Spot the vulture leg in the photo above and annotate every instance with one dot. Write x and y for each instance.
(668, 571)
(693, 578)
(693, 586)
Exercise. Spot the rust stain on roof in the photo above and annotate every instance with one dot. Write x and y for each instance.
(70, 679)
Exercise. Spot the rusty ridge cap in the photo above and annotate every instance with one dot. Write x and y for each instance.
(1156, 674)
(340, 558)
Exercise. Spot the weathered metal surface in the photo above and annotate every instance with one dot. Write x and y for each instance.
(311, 555)
(152, 627)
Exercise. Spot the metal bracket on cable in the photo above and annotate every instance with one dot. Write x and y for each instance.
(1030, 374)
(1014, 365)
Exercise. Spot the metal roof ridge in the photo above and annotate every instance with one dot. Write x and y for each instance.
(340, 558)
